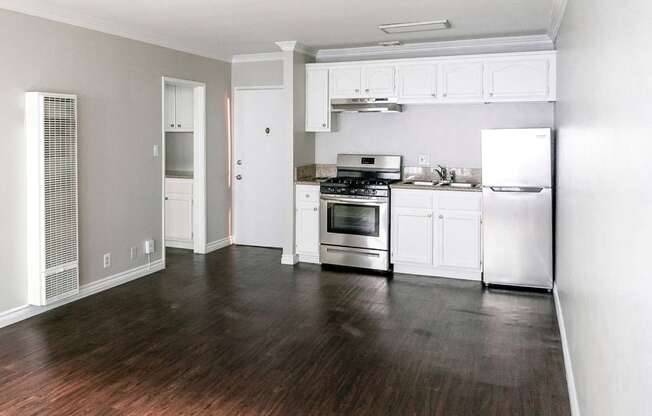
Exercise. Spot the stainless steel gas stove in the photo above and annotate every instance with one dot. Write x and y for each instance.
(355, 211)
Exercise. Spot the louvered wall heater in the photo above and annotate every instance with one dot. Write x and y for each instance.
(52, 235)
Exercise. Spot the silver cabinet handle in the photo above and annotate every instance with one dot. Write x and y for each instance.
(307, 195)
(172, 125)
(441, 217)
(178, 125)
(491, 94)
(357, 90)
(238, 177)
(239, 162)
(429, 215)
(367, 90)
(166, 198)
(323, 125)
(315, 209)
(445, 94)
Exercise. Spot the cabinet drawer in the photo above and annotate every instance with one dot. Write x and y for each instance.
(458, 201)
(307, 193)
(412, 198)
(178, 186)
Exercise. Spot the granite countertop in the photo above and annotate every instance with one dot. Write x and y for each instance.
(311, 180)
(408, 185)
(179, 174)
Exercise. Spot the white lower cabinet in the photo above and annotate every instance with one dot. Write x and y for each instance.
(307, 223)
(178, 213)
(437, 233)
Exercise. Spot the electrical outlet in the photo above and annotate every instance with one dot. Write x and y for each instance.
(423, 160)
(107, 260)
(133, 254)
(149, 247)
(155, 151)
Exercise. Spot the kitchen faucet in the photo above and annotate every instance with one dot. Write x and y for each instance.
(443, 173)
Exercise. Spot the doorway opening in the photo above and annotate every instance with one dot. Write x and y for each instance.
(183, 164)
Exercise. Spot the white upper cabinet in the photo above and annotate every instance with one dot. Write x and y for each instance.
(379, 81)
(520, 79)
(418, 83)
(179, 108)
(318, 112)
(462, 81)
(346, 82)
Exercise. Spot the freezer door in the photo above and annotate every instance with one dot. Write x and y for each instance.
(517, 235)
(517, 157)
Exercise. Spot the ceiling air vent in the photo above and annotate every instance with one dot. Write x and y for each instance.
(412, 27)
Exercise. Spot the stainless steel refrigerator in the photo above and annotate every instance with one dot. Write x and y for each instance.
(517, 197)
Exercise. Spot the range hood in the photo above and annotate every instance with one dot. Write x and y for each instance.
(365, 105)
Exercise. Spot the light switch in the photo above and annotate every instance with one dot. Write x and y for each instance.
(155, 150)
(423, 160)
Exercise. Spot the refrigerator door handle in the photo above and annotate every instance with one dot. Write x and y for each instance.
(524, 189)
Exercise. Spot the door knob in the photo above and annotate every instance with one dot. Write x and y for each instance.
(239, 162)
(238, 177)
(267, 130)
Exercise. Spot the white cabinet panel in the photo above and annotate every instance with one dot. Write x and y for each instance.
(519, 79)
(412, 240)
(462, 81)
(307, 229)
(170, 100)
(418, 83)
(379, 81)
(346, 82)
(460, 239)
(178, 217)
(318, 112)
(184, 108)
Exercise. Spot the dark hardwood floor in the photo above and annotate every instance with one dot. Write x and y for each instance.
(236, 333)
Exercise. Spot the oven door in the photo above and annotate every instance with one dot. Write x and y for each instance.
(353, 222)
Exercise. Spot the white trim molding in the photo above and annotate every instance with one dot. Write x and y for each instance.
(441, 48)
(570, 378)
(257, 57)
(290, 259)
(218, 244)
(556, 18)
(294, 46)
(27, 311)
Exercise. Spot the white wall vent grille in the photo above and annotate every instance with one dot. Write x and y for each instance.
(51, 125)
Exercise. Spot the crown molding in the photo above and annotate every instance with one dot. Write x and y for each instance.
(294, 46)
(556, 18)
(257, 57)
(454, 47)
(57, 14)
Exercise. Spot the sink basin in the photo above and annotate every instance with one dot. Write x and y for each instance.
(458, 185)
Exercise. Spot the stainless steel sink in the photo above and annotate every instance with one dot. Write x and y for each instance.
(458, 185)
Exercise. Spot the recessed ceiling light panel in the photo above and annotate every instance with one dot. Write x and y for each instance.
(390, 43)
(392, 28)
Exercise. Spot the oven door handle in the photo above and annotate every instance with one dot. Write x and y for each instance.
(356, 201)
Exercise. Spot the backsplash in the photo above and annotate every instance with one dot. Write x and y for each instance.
(427, 173)
(313, 171)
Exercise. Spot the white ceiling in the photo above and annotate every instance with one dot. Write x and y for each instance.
(222, 28)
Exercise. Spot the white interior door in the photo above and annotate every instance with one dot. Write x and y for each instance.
(261, 157)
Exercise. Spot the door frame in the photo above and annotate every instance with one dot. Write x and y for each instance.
(199, 163)
(234, 127)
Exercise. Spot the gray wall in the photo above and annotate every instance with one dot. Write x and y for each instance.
(255, 74)
(118, 82)
(449, 133)
(604, 220)
(179, 151)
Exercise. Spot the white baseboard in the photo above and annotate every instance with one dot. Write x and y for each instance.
(27, 311)
(474, 275)
(308, 258)
(570, 378)
(289, 259)
(189, 245)
(218, 244)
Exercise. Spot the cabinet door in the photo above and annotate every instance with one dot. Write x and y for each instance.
(346, 82)
(169, 101)
(412, 236)
(519, 80)
(462, 81)
(183, 108)
(178, 217)
(318, 108)
(417, 83)
(307, 229)
(459, 236)
(379, 81)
